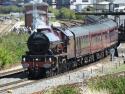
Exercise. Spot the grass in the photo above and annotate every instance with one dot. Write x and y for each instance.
(4, 14)
(113, 84)
(64, 90)
(12, 47)
(118, 68)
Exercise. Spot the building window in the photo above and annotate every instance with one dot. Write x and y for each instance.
(84, 0)
(72, 1)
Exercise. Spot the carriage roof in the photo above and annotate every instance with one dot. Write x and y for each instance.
(93, 28)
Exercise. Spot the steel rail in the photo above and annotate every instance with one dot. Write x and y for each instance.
(14, 82)
(9, 73)
(19, 84)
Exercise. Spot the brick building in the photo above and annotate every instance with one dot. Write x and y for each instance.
(42, 10)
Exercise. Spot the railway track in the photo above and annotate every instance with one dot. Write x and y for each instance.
(67, 23)
(14, 85)
(11, 73)
(14, 82)
(25, 82)
(6, 27)
(19, 84)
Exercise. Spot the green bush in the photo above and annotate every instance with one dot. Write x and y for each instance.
(113, 84)
(12, 47)
(55, 11)
(79, 17)
(66, 90)
(5, 57)
(89, 9)
(65, 13)
(8, 9)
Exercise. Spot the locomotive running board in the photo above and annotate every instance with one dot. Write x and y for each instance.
(41, 56)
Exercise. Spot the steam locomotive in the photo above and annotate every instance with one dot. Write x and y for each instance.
(54, 50)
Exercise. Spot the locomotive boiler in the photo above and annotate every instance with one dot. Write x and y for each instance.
(42, 40)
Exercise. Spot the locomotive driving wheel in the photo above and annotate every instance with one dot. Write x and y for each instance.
(48, 72)
(36, 73)
(79, 62)
(32, 74)
(86, 60)
(62, 65)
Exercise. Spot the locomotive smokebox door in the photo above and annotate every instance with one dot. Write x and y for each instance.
(38, 42)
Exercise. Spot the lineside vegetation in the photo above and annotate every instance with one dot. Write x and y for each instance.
(8, 9)
(113, 84)
(12, 46)
(66, 89)
(65, 13)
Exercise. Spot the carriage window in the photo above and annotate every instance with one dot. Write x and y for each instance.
(84, 42)
(80, 39)
(77, 43)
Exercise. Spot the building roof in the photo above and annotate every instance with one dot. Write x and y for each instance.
(36, 3)
(119, 1)
(104, 2)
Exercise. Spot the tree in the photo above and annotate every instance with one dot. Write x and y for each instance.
(72, 14)
(8, 9)
(88, 9)
(80, 17)
(66, 13)
(55, 11)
